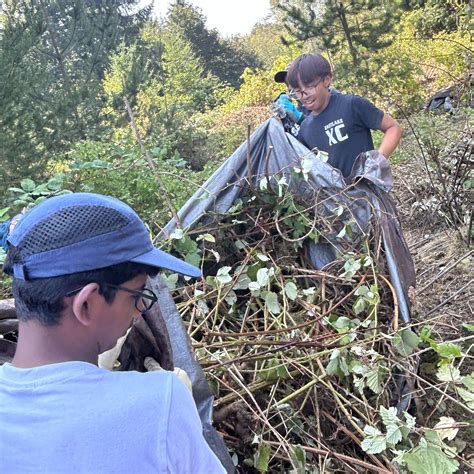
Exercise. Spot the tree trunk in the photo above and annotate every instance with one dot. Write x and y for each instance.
(345, 26)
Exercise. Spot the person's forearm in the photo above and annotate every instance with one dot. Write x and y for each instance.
(390, 140)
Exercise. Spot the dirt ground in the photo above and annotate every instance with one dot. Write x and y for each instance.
(444, 264)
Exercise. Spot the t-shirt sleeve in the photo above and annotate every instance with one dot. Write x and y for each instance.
(187, 450)
(366, 113)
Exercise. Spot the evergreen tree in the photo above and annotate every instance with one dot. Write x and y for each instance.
(348, 29)
(168, 87)
(53, 55)
(442, 16)
(222, 58)
(265, 42)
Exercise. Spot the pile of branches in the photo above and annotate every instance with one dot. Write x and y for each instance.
(306, 364)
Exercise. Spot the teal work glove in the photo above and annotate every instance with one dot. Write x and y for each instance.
(287, 105)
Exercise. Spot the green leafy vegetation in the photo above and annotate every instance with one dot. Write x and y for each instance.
(313, 362)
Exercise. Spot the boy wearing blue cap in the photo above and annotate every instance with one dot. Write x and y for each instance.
(80, 264)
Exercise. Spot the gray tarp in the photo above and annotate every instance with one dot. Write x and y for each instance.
(273, 151)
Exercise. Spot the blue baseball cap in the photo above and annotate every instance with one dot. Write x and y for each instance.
(81, 232)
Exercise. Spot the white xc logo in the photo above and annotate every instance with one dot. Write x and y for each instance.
(339, 137)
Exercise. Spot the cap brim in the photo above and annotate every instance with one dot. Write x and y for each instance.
(158, 258)
(280, 76)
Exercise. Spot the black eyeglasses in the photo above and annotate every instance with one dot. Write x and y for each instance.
(302, 93)
(144, 299)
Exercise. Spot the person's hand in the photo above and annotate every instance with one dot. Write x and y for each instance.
(289, 107)
(377, 155)
(108, 359)
(153, 366)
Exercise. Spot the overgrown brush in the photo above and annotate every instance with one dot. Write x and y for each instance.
(442, 189)
(310, 368)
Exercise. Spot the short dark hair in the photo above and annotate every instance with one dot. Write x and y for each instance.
(306, 68)
(42, 299)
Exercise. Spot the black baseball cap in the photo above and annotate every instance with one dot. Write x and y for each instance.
(280, 76)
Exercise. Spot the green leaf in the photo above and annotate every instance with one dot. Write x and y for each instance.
(468, 382)
(291, 290)
(254, 287)
(271, 302)
(177, 234)
(429, 458)
(263, 277)
(4, 213)
(445, 429)
(392, 424)
(309, 291)
(448, 373)
(342, 233)
(236, 207)
(448, 350)
(170, 280)
(28, 185)
(394, 434)
(223, 276)
(242, 282)
(375, 380)
(298, 458)
(16, 190)
(262, 457)
(337, 364)
(231, 298)
(467, 396)
(469, 327)
(274, 369)
(264, 182)
(206, 237)
(425, 335)
(362, 291)
(351, 267)
(367, 262)
(240, 245)
(22, 202)
(55, 184)
(359, 306)
(389, 415)
(193, 259)
(374, 441)
(410, 420)
(342, 323)
(405, 342)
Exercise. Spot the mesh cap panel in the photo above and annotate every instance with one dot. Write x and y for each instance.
(70, 225)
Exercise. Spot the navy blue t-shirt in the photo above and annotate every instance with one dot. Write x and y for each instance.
(342, 129)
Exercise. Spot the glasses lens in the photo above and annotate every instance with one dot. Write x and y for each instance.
(145, 300)
(296, 94)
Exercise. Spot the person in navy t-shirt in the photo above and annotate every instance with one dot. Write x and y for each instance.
(339, 124)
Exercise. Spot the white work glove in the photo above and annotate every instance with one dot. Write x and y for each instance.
(151, 365)
(108, 359)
